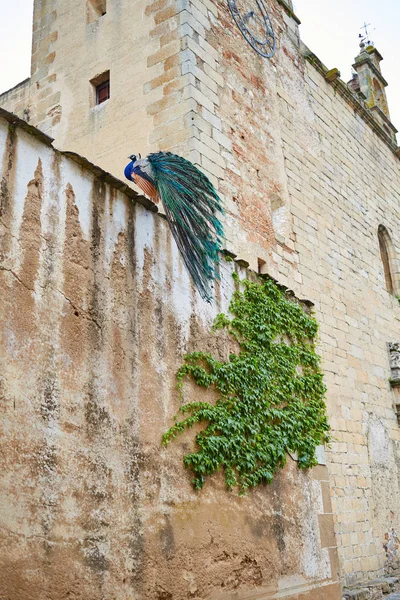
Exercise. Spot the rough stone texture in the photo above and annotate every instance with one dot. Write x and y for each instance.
(59, 98)
(394, 359)
(378, 589)
(358, 594)
(308, 174)
(326, 182)
(97, 313)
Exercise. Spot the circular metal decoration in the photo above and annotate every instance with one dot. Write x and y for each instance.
(251, 16)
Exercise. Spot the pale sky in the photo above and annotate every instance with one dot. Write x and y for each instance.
(330, 29)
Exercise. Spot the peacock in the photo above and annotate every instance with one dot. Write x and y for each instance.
(192, 207)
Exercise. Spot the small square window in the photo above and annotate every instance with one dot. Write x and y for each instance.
(100, 88)
(103, 92)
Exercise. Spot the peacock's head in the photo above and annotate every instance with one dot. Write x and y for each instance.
(129, 167)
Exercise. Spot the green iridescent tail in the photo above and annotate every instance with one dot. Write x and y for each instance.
(193, 209)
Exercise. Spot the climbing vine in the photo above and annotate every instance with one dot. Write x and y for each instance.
(270, 394)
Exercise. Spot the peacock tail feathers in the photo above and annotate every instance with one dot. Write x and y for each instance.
(193, 209)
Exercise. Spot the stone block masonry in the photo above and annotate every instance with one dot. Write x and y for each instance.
(311, 187)
(308, 179)
(185, 119)
(192, 117)
(37, 99)
(70, 50)
(338, 204)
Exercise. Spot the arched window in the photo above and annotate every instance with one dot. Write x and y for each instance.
(388, 259)
(380, 99)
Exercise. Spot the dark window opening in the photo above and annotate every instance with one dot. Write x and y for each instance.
(385, 247)
(102, 92)
(101, 88)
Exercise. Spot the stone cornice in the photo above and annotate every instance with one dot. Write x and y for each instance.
(81, 160)
(373, 50)
(289, 11)
(384, 118)
(373, 68)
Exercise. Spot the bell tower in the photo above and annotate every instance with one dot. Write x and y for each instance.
(370, 84)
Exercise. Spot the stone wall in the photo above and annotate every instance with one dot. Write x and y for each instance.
(309, 179)
(325, 181)
(307, 174)
(338, 205)
(70, 48)
(17, 99)
(97, 314)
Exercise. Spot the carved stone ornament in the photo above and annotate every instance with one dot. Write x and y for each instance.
(394, 360)
(252, 18)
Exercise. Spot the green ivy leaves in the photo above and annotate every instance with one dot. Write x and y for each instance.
(271, 394)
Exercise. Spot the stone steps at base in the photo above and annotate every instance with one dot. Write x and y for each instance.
(385, 588)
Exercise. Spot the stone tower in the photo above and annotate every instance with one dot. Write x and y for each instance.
(112, 78)
(94, 70)
(370, 84)
(161, 82)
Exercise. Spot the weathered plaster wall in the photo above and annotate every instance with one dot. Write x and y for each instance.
(97, 312)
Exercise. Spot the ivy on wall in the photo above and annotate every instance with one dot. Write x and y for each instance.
(270, 395)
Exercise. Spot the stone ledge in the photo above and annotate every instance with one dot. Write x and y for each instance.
(384, 118)
(385, 588)
(289, 11)
(81, 160)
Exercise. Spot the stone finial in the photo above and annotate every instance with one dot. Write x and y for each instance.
(369, 81)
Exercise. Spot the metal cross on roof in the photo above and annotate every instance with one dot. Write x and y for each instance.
(366, 37)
